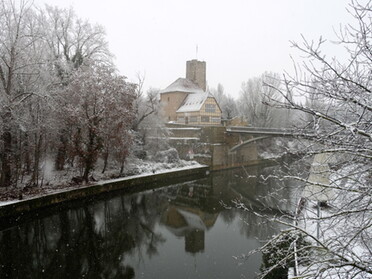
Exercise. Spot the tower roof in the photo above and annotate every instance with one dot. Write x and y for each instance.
(183, 85)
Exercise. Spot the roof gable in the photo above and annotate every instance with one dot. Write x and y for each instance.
(183, 85)
(193, 102)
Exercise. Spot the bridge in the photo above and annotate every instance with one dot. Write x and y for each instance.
(280, 132)
(264, 133)
(223, 147)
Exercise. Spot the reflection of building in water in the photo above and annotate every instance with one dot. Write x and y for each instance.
(189, 222)
(194, 241)
(189, 215)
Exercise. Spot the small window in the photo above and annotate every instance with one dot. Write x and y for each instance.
(216, 119)
(204, 118)
(181, 119)
(193, 119)
(210, 108)
(168, 99)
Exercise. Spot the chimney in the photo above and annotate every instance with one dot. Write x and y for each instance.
(196, 72)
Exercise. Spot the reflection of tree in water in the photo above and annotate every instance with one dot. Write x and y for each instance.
(142, 218)
(259, 187)
(253, 226)
(228, 216)
(98, 239)
(246, 185)
(276, 192)
(88, 242)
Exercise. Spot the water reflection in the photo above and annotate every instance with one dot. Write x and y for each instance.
(180, 231)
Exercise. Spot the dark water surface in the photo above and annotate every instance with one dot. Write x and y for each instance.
(178, 231)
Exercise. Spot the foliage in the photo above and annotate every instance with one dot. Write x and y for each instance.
(278, 255)
(254, 98)
(145, 105)
(47, 57)
(71, 41)
(24, 79)
(98, 109)
(167, 156)
(226, 102)
(340, 120)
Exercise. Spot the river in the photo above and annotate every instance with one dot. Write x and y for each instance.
(177, 231)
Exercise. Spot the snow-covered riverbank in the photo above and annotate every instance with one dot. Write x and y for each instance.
(133, 183)
(58, 181)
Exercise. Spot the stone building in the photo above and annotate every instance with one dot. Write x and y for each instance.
(186, 101)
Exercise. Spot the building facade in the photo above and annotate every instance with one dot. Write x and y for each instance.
(186, 101)
(199, 109)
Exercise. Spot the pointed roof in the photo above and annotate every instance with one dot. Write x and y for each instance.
(193, 102)
(183, 85)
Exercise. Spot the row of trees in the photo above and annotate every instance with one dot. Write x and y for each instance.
(252, 102)
(338, 108)
(60, 94)
(331, 96)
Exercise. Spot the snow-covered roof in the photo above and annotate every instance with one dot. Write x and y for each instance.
(183, 85)
(193, 102)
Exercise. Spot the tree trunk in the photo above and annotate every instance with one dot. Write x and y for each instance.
(18, 159)
(35, 173)
(6, 156)
(122, 167)
(6, 169)
(105, 160)
(62, 151)
(27, 154)
(92, 149)
(86, 174)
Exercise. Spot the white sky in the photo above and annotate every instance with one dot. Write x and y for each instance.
(238, 39)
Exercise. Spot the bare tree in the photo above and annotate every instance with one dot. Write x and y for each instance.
(71, 42)
(40, 51)
(24, 78)
(144, 105)
(230, 108)
(225, 101)
(338, 235)
(254, 97)
(99, 110)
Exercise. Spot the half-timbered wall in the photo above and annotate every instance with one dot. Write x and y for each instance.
(209, 114)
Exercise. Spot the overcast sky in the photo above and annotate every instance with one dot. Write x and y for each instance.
(238, 39)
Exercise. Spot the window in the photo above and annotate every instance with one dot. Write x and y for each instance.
(193, 119)
(216, 119)
(168, 99)
(210, 108)
(181, 119)
(204, 118)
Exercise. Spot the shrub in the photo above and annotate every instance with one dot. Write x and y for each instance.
(279, 255)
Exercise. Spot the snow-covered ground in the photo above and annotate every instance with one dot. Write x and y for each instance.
(278, 147)
(343, 229)
(57, 181)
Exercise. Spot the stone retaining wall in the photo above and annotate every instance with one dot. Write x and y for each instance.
(134, 183)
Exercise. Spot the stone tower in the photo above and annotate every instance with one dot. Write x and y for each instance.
(196, 72)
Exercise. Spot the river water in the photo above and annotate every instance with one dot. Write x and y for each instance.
(186, 230)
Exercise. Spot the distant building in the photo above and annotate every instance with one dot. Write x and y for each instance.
(186, 101)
